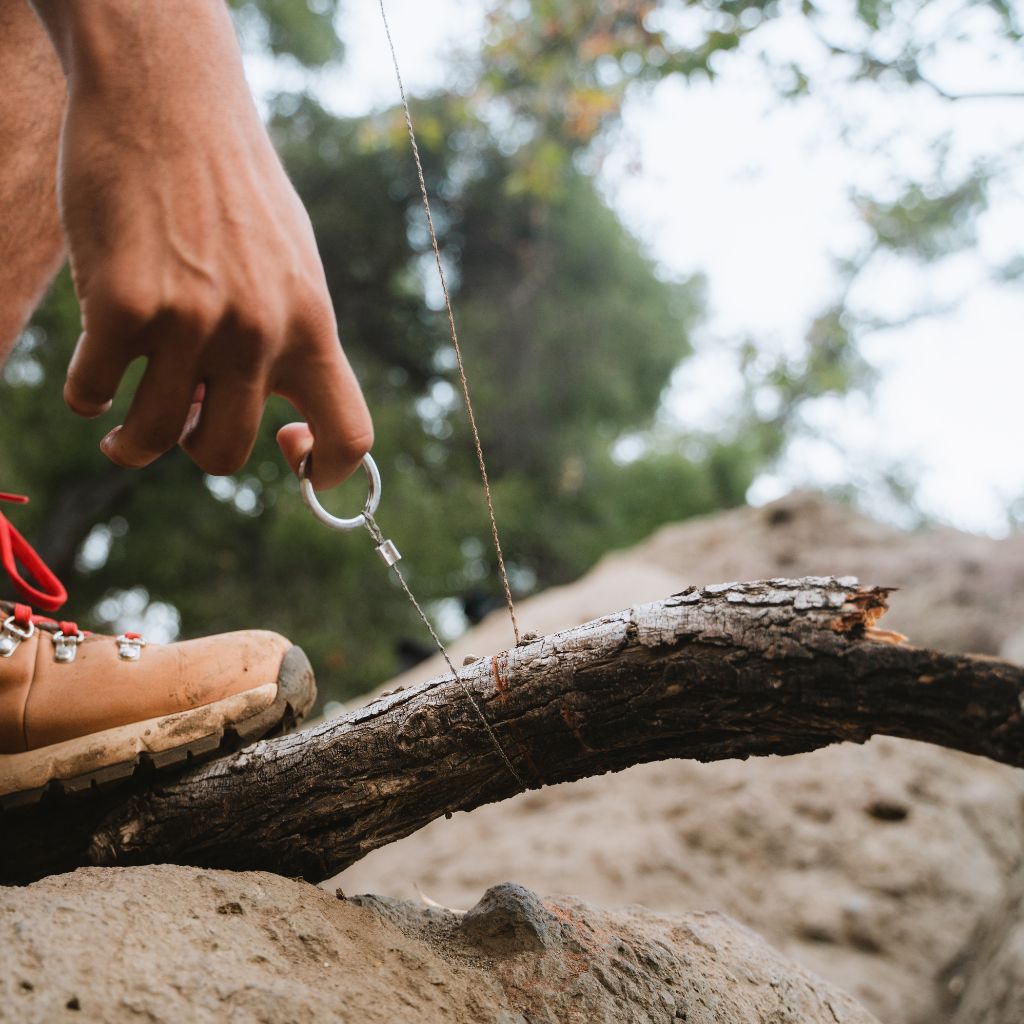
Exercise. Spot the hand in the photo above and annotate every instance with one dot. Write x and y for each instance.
(190, 247)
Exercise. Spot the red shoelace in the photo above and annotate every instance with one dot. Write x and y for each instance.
(46, 591)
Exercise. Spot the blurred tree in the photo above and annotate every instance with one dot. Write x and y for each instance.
(571, 336)
(290, 28)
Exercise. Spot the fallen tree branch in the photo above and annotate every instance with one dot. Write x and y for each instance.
(728, 671)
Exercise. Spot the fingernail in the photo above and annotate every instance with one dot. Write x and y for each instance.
(108, 441)
(191, 422)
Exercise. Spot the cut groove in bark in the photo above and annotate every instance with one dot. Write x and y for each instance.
(726, 671)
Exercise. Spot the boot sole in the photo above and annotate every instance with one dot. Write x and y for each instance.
(160, 744)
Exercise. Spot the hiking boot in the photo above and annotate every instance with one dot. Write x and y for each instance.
(80, 710)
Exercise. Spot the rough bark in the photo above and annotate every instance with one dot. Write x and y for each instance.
(728, 671)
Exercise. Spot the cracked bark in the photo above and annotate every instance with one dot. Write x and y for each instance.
(728, 671)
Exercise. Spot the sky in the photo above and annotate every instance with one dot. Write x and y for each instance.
(764, 212)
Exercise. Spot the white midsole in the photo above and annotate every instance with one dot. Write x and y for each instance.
(35, 768)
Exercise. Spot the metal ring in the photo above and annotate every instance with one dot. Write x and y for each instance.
(325, 517)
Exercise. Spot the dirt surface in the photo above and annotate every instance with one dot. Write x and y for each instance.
(875, 867)
(885, 868)
(893, 870)
(182, 945)
(993, 967)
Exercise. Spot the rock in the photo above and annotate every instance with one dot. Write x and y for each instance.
(510, 919)
(986, 983)
(874, 866)
(120, 945)
(879, 867)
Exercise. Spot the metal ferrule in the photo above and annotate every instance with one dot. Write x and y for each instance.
(389, 554)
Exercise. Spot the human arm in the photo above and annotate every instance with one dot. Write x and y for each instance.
(190, 247)
(31, 106)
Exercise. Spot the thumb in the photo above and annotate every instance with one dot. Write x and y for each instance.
(295, 441)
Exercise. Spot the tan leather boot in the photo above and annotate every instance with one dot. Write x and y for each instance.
(80, 710)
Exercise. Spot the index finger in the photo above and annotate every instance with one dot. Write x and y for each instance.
(338, 429)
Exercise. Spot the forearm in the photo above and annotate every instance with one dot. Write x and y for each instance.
(105, 43)
(31, 107)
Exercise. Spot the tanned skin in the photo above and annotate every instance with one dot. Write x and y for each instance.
(187, 242)
(31, 106)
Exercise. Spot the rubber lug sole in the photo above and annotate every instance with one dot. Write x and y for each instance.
(296, 691)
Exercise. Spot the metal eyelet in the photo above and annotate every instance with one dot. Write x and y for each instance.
(65, 646)
(12, 635)
(129, 648)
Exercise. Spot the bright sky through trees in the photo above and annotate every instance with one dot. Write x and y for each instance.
(727, 179)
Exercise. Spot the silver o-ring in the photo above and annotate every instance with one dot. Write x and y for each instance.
(325, 517)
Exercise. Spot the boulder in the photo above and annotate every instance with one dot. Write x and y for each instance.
(172, 944)
(880, 867)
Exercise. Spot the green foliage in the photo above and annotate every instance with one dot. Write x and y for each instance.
(550, 366)
(928, 220)
(561, 69)
(561, 379)
(294, 28)
(571, 336)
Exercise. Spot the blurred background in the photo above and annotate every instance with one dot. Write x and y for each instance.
(701, 254)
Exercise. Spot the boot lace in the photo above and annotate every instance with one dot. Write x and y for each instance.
(45, 591)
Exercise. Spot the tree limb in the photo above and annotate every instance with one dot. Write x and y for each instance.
(728, 671)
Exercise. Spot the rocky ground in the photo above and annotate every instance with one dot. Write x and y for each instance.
(894, 870)
(885, 868)
(172, 944)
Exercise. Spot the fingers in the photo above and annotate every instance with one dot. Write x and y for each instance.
(192, 419)
(339, 431)
(229, 420)
(114, 319)
(295, 441)
(158, 412)
(94, 373)
(236, 358)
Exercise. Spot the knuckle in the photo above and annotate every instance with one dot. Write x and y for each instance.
(252, 333)
(130, 304)
(313, 312)
(253, 317)
(196, 315)
(243, 345)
